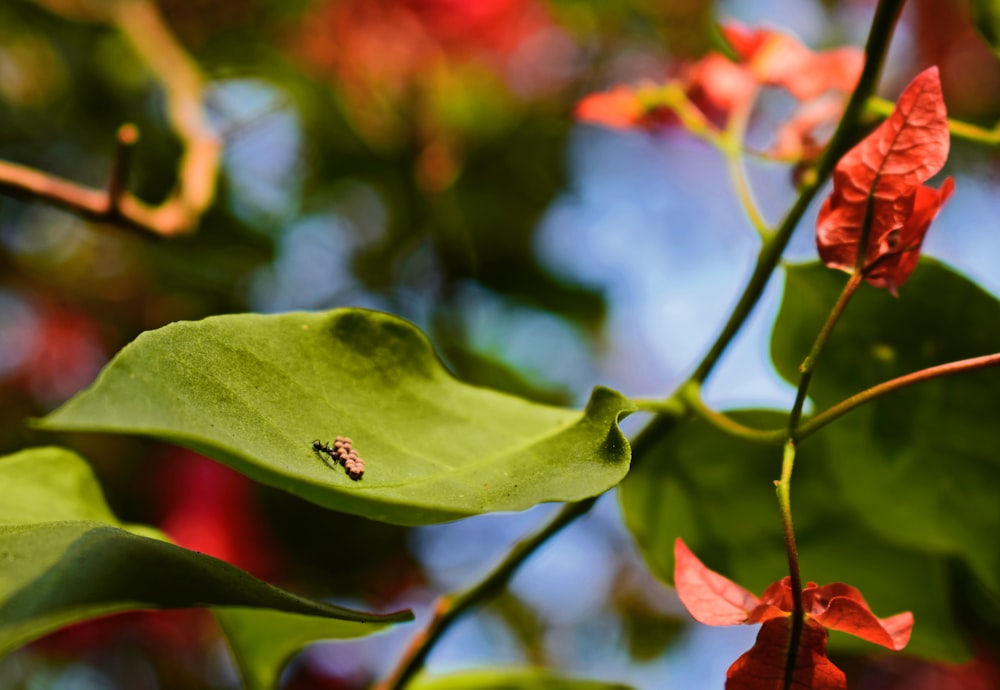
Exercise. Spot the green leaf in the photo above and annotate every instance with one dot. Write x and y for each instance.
(255, 391)
(717, 493)
(919, 466)
(986, 16)
(263, 642)
(66, 558)
(512, 679)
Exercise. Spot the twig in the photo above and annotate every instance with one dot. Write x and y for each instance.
(449, 607)
(128, 136)
(143, 27)
(840, 409)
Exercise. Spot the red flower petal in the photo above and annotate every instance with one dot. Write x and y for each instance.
(897, 265)
(763, 667)
(841, 607)
(876, 182)
(618, 108)
(725, 85)
(709, 597)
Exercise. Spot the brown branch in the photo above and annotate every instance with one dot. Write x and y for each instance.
(143, 28)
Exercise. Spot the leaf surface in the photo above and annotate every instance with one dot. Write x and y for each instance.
(255, 391)
(717, 493)
(264, 642)
(919, 466)
(66, 559)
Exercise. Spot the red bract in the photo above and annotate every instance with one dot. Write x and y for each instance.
(878, 198)
(720, 86)
(715, 600)
(625, 107)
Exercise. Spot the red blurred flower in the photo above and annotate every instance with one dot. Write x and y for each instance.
(213, 509)
(879, 200)
(721, 87)
(715, 600)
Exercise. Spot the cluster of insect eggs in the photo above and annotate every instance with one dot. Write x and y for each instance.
(343, 452)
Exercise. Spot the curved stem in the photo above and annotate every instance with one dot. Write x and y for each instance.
(795, 577)
(690, 395)
(732, 142)
(143, 27)
(840, 409)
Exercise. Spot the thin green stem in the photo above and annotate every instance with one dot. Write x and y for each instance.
(840, 409)
(798, 605)
(732, 148)
(809, 364)
(690, 395)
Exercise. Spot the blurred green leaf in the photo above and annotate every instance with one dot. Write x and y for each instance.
(986, 16)
(511, 679)
(919, 467)
(263, 642)
(66, 559)
(255, 391)
(717, 493)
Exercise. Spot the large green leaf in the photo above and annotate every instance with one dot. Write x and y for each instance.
(255, 391)
(512, 679)
(66, 558)
(263, 642)
(919, 466)
(717, 493)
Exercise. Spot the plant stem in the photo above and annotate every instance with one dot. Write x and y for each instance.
(732, 148)
(842, 408)
(690, 395)
(450, 607)
(809, 364)
(798, 606)
(770, 253)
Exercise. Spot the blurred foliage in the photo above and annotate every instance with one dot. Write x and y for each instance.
(396, 154)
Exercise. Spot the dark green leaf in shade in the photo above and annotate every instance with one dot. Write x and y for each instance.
(66, 559)
(986, 16)
(717, 493)
(919, 466)
(255, 391)
(511, 679)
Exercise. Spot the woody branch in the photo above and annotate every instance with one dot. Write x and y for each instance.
(143, 28)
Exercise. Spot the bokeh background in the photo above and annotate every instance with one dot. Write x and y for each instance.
(418, 157)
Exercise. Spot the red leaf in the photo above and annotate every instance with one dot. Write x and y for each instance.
(709, 597)
(618, 108)
(763, 667)
(876, 184)
(895, 266)
(841, 607)
(725, 85)
(625, 107)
